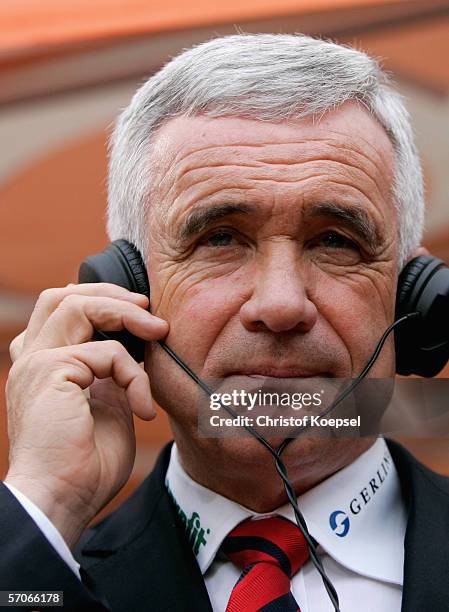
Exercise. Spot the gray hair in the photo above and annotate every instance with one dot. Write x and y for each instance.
(267, 77)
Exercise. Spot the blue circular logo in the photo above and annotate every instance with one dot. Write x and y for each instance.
(339, 522)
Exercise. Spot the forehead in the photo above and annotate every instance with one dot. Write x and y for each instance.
(349, 126)
(190, 154)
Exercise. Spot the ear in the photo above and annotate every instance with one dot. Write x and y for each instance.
(417, 252)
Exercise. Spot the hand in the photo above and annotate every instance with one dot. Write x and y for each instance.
(70, 454)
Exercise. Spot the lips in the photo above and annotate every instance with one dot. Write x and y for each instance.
(254, 382)
(265, 372)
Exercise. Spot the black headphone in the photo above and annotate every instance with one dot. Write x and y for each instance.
(421, 340)
(422, 345)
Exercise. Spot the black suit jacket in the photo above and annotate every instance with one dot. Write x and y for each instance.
(138, 557)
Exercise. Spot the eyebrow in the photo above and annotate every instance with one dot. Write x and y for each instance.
(202, 217)
(356, 218)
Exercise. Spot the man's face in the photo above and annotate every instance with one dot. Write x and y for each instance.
(272, 250)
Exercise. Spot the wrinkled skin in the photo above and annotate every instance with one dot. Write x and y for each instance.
(281, 287)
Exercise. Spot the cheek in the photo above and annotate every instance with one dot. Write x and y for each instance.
(358, 312)
(200, 315)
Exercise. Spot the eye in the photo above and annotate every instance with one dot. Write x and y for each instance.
(219, 238)
(335, 248)
(334, 240)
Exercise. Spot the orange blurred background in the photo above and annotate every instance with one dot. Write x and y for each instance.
(66, 69)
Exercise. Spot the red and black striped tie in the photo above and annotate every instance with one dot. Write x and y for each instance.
(269, 552)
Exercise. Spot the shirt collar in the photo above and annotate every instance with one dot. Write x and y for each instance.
(357, 515)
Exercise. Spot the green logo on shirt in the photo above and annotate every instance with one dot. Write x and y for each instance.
(195, 532)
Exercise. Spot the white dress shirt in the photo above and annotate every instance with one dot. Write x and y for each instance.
(48, 529)
(362, 545)
(363, 554)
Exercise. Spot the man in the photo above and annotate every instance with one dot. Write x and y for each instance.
(272, 185)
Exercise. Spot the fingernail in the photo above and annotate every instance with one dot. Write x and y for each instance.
(161, 321)
(140, 294)
(145, 317)
(155, 319)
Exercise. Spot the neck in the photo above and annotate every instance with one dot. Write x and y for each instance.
(244, 471)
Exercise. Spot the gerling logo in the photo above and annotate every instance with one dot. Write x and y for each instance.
(339, 519)
(339, 522)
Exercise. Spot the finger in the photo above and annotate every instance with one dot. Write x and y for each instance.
(77, 316)
(82, 363)
(50, 299)
(15, 348)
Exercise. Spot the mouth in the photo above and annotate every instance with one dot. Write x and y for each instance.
(273, 372)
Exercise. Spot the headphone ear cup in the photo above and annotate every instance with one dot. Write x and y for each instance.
(422, 345)
(407, 282)
(133, 259)
(121, 264)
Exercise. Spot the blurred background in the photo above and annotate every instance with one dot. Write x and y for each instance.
(67, 68)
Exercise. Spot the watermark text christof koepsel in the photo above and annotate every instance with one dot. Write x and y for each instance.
(249, 401)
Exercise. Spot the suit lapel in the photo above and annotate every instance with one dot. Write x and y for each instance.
(139, 556)
(426, 564)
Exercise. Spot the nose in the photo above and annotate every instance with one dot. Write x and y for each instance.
(280, 300)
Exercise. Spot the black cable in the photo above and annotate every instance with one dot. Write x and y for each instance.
(276, 453)
(344, 394)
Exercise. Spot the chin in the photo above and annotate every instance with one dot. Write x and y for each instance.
(301, 453)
